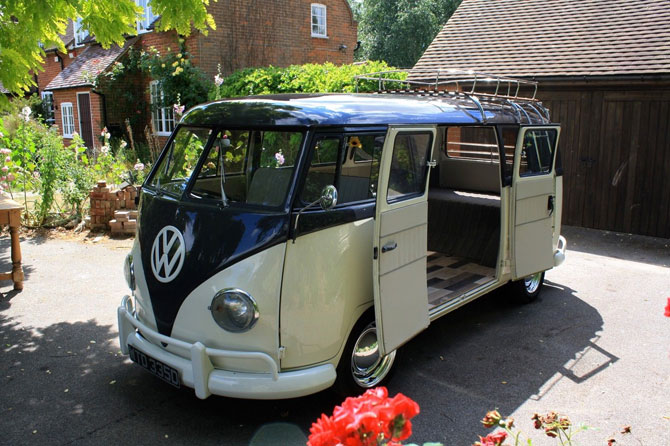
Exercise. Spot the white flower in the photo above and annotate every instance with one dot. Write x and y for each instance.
(178, 109)
(107, 136)
(2, 135)
(123, 144)
(280, 158)
(218, 80)
(25, 113)
(5, 151)
(139, 166)
(75, 135)
(104, 149)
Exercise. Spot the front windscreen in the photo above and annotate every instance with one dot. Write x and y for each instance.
(231, 166)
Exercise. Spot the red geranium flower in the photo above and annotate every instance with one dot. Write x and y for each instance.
(667, 308)
(492, 439)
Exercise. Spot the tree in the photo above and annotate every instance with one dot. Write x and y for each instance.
(399, 31)
(28, 26)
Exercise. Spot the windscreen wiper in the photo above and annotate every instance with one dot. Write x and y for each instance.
(224, 199)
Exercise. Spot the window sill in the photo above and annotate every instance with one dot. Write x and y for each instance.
(162, 133)
(317, 36)
(67, 136)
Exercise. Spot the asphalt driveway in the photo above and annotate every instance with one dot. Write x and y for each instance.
(594, 347)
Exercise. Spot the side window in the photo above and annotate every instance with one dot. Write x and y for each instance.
(349, 162)
(537, 152)
(409, 165)
(475, 143)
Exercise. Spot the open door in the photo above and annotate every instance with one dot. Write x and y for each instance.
(534, 191)
(401, 230)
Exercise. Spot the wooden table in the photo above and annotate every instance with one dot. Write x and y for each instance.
(10, 214)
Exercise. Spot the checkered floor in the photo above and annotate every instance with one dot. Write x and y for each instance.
(450, 277)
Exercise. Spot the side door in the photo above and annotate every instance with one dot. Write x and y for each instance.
(400, 236)
(534, 200)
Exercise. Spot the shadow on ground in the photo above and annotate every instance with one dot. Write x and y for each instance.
(68, 384)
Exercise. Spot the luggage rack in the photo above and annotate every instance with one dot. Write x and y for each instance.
(456, 79)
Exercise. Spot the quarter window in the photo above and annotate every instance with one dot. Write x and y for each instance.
(475, 143)
(67, 115)
(409, 165)
(319, 28)
(162, 115)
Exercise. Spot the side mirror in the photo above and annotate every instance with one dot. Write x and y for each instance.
(328, 198)
(327, 201)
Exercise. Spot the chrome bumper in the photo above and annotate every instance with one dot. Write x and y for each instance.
(559, 255)
(199, 373)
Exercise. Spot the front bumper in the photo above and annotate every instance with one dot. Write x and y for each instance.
(199, 373)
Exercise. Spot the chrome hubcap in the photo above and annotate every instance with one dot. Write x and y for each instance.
(532, 283)
(367, 367)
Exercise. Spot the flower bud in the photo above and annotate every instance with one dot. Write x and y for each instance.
(491, 419)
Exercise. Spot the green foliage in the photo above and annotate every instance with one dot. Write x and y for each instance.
(308, 78)
(25, 24)
(399, 31)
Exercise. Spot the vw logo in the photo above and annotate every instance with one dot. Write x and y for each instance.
(167, 254)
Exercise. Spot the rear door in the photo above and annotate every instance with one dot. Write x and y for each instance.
(534, 192)
(401, 222)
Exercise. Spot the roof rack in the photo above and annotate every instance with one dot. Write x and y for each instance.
(457, 79)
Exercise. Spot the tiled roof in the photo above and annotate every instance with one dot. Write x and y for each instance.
(67, 38)
(552, 38)
(92, 61)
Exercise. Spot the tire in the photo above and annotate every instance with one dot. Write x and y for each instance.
(527, 290)
(358, 372)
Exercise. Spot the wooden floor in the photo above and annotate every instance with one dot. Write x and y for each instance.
(450, 277)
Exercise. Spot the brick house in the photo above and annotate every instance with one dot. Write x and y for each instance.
(249, 33)
(603, 68)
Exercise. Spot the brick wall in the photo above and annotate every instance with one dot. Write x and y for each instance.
(105, 203)
(70, 95)
(52, 66)
(255, 33)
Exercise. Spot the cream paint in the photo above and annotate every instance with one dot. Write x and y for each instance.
(260, 276)
(327, 286)
(401, 295)
(533, 229)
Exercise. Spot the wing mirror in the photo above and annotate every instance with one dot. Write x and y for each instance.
(327, 201)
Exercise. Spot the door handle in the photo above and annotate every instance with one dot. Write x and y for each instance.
(550, 204)
(389, 247)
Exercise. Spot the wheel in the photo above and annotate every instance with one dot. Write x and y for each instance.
(527, 289)
(361, 367)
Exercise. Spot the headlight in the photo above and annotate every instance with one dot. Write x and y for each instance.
(129, 272)
(234, 310)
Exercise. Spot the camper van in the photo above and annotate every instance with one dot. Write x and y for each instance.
(290, 243)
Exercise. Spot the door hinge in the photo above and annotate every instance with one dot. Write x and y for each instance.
(431, 163)
(282, 352)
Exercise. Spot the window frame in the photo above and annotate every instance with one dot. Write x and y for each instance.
(163, 115)
(50, 118)
(145, 20)
(315, 8)
(63, 107)
(404, 196)
(79, 35)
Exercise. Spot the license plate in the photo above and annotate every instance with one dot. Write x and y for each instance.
(154, 366)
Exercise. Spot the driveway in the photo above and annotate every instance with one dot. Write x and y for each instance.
(594, 347)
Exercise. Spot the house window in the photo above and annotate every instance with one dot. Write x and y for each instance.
(162, 115)
(146, 18)
(319, 20)
(80, 34)
(67, 114)
(48, 107)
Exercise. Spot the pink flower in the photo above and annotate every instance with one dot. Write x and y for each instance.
(5, 151)
(3, 178)
(139, 166)
(280, 158)
(8, 159)
(218, 80)
(5, 169)
(11, 177)
(178, 109)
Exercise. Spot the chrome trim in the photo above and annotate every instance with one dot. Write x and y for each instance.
(367, 368)
(532, 283)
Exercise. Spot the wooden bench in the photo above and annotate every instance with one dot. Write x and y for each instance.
(10, 214)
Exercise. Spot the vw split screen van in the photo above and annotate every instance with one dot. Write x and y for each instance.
(289, 243)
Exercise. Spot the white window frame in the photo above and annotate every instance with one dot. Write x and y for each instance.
(67, 119)
(162, 117)
(320, 12)
(79, 34)
(147, 17)
(52, 111)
